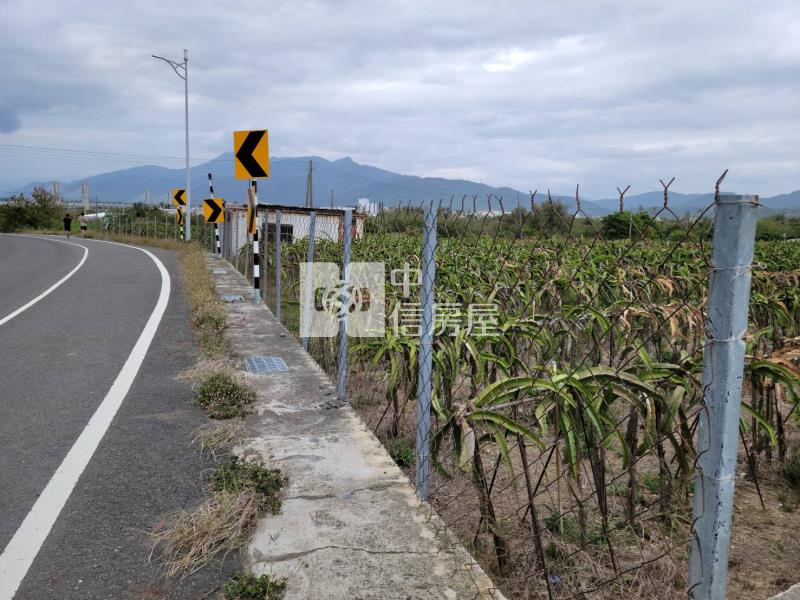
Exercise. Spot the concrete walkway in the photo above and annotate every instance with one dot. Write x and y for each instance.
(351, 525)
(793, 593)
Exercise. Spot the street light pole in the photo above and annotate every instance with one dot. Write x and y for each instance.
(182, 71)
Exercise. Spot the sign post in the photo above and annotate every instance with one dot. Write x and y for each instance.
(179, 218)
(252, 229)
(178, 201)
(214, 213)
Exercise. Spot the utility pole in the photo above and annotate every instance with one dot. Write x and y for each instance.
(310, 185)
(182, 71)
(85, 194)
(147, 196)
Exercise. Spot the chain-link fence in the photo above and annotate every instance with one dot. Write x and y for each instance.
(562, 387)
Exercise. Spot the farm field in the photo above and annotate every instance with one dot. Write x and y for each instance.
(564, 434)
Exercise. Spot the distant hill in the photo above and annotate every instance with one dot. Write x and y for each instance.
(350, 181)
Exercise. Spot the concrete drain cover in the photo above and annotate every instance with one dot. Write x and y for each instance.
(219, 271)
(232, 298)
(265, 364)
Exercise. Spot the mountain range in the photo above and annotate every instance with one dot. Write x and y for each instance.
(350, 181)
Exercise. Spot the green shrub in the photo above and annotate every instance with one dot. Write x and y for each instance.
(244, 586)
(401, 452)
(566, 525)
(223, 397)
(651, 482)
(251, 475)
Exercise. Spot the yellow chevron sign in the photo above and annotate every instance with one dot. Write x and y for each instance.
(178, 197)
(214, 210)
(179, 215)
(251, 154)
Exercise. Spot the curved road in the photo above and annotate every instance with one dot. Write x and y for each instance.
(60, 358)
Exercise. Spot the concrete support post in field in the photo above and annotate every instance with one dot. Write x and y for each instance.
(344, 309)
(425, 357)
(723, 367)
(309, 299)
(278, 265)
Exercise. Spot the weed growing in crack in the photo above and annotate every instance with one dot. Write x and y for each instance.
(223, 397)
(222, 523)
(244, 586)
(218, 437)
(239, 475)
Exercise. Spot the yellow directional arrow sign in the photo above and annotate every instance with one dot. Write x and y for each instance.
(251, 211)
(178, 197)
(179, 215)
(213, 208)
(251, 154)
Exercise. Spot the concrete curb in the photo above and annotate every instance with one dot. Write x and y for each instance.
(793, 593)
(352, 525)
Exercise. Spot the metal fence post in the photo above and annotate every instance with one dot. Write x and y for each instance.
(723, 366)
(312, 225)
(425, 380)
(235, 239)
(278, 265)
(344, 311)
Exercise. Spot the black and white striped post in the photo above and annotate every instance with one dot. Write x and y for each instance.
(256, 250)
(217, 245)
(278, 265)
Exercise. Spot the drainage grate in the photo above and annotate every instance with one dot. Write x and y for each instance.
(232, 298)
(265, 364)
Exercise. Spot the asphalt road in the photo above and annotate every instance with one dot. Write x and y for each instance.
(58, 361)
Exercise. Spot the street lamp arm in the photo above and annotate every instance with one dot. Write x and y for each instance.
(175, 66)
(182, 71)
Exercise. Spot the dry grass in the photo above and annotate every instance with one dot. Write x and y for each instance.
(224, 522)
(206, 367)
(208, 312)
(217, 438)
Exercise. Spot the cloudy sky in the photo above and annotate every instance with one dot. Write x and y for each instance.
(531, 95)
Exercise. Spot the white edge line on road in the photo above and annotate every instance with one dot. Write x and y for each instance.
(45, 293)
(20, 552)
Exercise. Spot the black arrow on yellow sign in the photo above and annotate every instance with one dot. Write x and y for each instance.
(251, 150)
(212, 207)
(178, 198)
(179, 215)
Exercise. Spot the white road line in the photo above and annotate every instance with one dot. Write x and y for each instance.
(45, 293)
(27, 541)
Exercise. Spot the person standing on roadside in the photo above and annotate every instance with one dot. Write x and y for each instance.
(83, 222)
(67, 224)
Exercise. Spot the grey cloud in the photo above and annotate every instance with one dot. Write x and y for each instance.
(9, 121)
(600, 92)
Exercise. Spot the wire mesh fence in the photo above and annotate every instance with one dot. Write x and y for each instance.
(557, 384)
